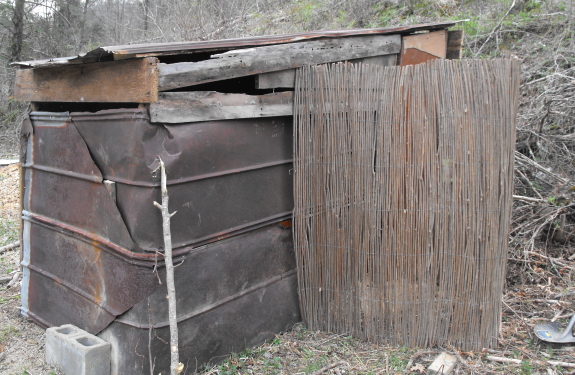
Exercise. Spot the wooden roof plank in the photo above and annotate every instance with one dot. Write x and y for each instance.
(286, 78)
(257, 60)
(126, 81)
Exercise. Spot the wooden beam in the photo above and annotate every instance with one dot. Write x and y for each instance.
(274, 80)
(182, 107)
(126, 81)
(454, 44)
(273, 58)
(384, 60)
(286, 78)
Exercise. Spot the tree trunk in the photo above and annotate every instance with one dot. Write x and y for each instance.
(18, 32)
(146, 15)
(83, 24)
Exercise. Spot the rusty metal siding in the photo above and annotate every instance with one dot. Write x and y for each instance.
(72, 279)
(224, 177)
(91, 231)
(64, 186)
(232, 294)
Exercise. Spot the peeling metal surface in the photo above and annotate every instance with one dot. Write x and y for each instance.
(224, 177)
(80, 263)
(163, 49)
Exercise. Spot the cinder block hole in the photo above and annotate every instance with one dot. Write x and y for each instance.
(87, 341)
(65, 330)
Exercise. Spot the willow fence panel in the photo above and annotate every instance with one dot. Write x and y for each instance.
(403, 191)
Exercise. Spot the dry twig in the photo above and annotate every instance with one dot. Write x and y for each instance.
(176, 366)
(9, 247)
(328, 367)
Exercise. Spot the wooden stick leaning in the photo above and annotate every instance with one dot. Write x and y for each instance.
(175, 366)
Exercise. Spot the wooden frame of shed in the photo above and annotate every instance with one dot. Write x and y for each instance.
(219, 114)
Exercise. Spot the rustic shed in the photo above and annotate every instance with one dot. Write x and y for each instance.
(219, 114)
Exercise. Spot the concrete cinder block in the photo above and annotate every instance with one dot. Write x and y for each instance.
(77, 352)
(443, 365)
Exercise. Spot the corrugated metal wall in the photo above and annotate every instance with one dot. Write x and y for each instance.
(91, 232)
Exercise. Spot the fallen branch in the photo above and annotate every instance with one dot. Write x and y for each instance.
(562, 364)
(5, 279)
(329, 367)
(503, 359)
(528, 199)
(525, 161)
(9, 247)
(528, 183)
(15, 279)
(518, 361)
(552, 260)
(568, 292)
(175, 366)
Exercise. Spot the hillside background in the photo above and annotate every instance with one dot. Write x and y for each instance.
(540, 33)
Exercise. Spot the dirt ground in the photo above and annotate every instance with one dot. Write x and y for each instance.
(21, 341)
(546, 291)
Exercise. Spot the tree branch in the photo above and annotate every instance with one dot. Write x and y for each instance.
(175, 366)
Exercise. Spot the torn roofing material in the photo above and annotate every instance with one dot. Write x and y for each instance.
(165, 49)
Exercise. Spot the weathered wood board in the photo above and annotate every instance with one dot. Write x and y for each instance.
(184, 107)
(420, 48)
(286, 78)
(126, 81)
(454, 44)
(258, 60)
(273, 80)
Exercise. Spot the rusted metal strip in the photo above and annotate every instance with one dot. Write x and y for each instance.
(64, 172)
(136, 258)
(185, 180)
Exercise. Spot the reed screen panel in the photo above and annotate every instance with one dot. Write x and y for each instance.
(403, 190)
